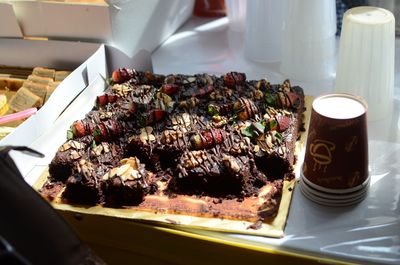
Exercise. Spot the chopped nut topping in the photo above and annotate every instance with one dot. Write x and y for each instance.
(258, 94)
(163, 101)
(122, 169)
(235, 150)
(97, 150)
(128, 170)
(229, 92)
(183, 119)
(106, 147)
(132, 161)
(209, 79)
(194, 158)
(231, 163)
(268, 140)
(75, 155)
(190, 103)
(71, 144)
(122, 89)
(145, 134)
(191, 79)
(286, 86)
(86, 168)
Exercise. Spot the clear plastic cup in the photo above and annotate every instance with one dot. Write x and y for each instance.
(366, 58)
(236, 10)
(308, 45)
(264, 25)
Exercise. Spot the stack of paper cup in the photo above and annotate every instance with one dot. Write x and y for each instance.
(366, 58)
(308, 46)
(335, 168)
(332, 197)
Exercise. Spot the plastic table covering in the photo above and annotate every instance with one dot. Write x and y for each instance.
(368, 232)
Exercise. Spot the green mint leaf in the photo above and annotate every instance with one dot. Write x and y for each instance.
(259, 127)
(270, 100)
(212, 110)
(273, 124)
(248, 131)
(70, 135)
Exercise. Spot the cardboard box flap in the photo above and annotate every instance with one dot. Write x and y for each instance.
(9, 27)
(128, 25)
(64, 20)
(118, 59)
(143, 24)
(53, 54)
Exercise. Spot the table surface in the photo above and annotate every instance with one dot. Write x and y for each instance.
(368, 232)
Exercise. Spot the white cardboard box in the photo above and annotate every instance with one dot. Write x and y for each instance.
(53, 54)
(96, 69)
(127, 25)
(9, 27)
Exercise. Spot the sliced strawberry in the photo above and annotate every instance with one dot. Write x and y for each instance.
(151, 77)
(121, 75)
(229, 80)
(116, 76)
(211, 138)
(112, 98)
(78, 129)
(169, 89)
(283, 122)
(89, 127)
(109, 125)
(159, 114)
(155, 116)
(208, 139)
(102, 100)
(217, 135)
(100, 133)
(234, 78)
(118, 128)
(294, 99)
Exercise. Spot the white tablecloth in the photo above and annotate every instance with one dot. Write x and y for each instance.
(368, 232)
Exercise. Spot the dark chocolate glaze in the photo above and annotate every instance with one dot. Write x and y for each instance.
(165, 122)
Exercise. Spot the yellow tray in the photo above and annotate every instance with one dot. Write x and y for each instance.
(122, 234)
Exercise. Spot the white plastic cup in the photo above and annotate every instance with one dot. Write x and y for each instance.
(236, 10)
(263, 36)
(366, 58)
(308, 47)
(391, 5)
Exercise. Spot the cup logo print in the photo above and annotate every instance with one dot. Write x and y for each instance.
(354, 179)
(321, 152)
(351, 144)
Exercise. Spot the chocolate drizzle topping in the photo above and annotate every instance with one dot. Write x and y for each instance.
(227, 138)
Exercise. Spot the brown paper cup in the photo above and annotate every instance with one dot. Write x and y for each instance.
(336, 155)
